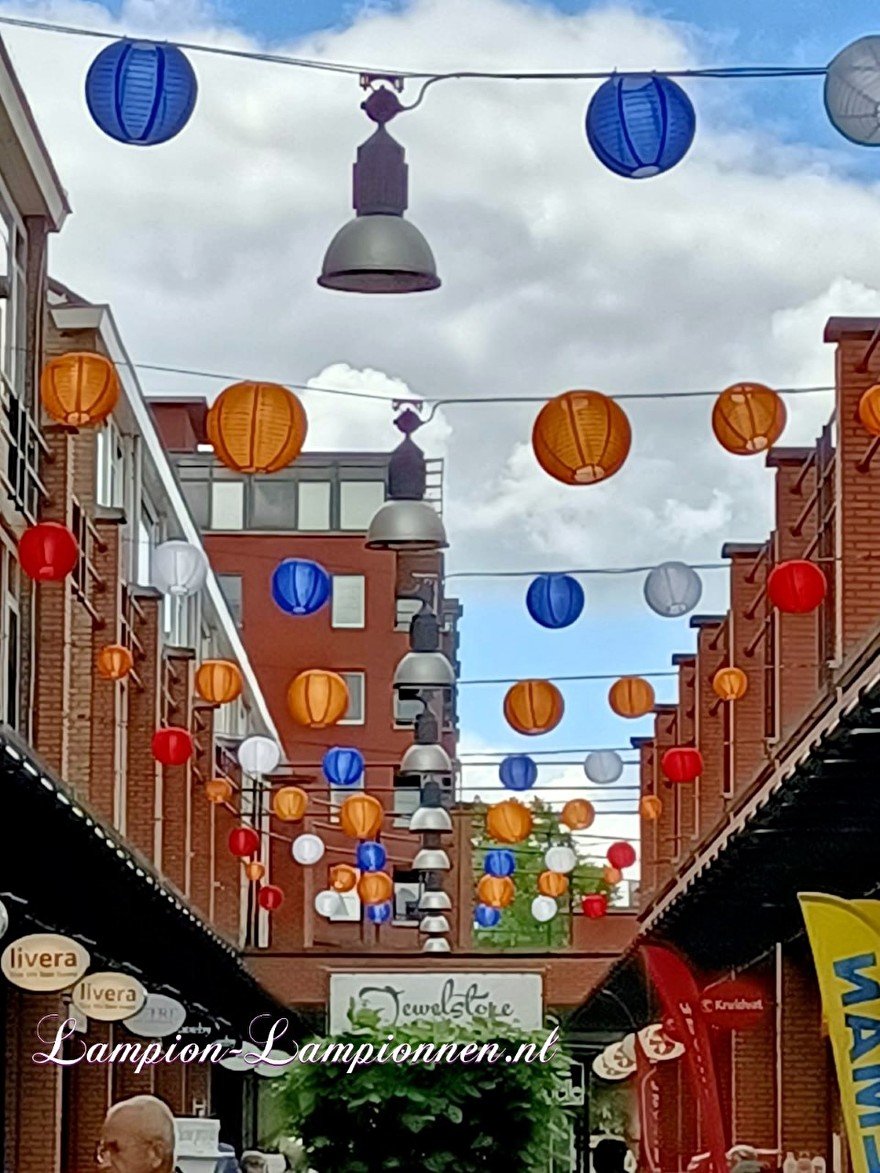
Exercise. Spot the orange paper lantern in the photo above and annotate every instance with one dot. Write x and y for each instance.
(730, 683)
(256, 427)
(361, 816)
(869, 410)
(79, 388)
(581, 437)
(552, 884)
(289, 804)
(343, 877)
(375, 887)
(631, 696)
(496, 891)
(748, 418)
(533, 707)
(218, 790)
(317, 698)
(219, 681)
(651, 807)
(611, 875)
(114, 662)
(508, 822)
(578, 814)
(254, 870)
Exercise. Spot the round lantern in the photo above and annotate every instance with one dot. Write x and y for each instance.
(621, 855)
(219, 790)
(256, 427)
(730, 684)
(270, 897)
(219, 681)
(869, 410)
(289, 804)
(640, 126)
(375, 887)
(560, 859)
(172, 746)
(254, 870)
(487, 917)
(47, 551)
(552, 884)
(114, 662)
(244, 841)
(380, 914)
(603, 766)
(581, 437)
(518, 772)
(79, 388)
(361, 816)
(595, 905)
(343, 767)
(651, 808)
(672, 589)
(852, 91)
(300, 587)
(496, 891)
(499, 862)
(141, 93)
(259, 755)
(179, 568)
(317, 698)
(544, 908)
(578, 814)
(533, 706)
(508, 822)
(328, 903)
(611, 875)
(631, 696)
(796, 587)
(371, 856)
(343, 877)
(555, 600)
(682, 763)
(307, 849)
(748, 418)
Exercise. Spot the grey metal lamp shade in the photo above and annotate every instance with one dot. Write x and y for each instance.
(426, 759)
(436, 945)
(852, 91)
(434, 924)
(431, 859)
(424, 670)
(430, 818)
(406, 525)
(435, 902)
(379, 254)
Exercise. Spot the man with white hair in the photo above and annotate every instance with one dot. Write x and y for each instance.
(137, 1137)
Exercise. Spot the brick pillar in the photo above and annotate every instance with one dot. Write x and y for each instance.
(647, 827)
(665, 736)
(709, 788)
(143, 720)
(34, 1101)
(200, 840)
(685, 796)
(197, 1086)
(754, 1072)
(176, 781)
(169, 1086)
(748, 571)
(126, 1080)
(227, 876)
(106, 696)
(87, 1100)
(806, 1073)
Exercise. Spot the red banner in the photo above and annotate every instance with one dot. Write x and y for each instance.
(649, 1112)
(681, 1003)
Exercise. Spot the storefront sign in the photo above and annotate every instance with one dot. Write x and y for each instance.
(617, 1062)
(44, 962)
(109, 997)
(656, 1045)
(158, 1017)
(737, 1004)
(463, 998)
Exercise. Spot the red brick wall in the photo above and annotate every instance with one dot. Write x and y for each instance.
(711, 655)
(748, 570)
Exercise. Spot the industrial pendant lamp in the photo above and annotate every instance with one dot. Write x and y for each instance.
(426, 756)
(378, 251)
(406, 521)
(425, 666)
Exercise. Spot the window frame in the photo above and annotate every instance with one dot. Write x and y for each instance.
(362, 720)
(359, 625)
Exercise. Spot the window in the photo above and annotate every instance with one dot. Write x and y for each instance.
(407, 609)
(231, 589)
(110, 471)
(356, 688)
(358, 502)
(407, 893)
(145, 541)
(348, 908)
(406, 709)
(407, 799)
(273, 504)
(176, 611)
(314, 505)
(348, 600)
(227, 505)
(196, 495)
(10, 638)
(338, 795)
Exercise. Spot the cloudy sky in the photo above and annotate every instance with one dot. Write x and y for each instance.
(556, 274)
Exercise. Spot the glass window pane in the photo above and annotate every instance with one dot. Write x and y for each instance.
(230, 587)
(406, 709)
(273, 504)
(348, 600)
(358, 502)
(314, 505)
(227, 505)
(196, 495)
(355, 713)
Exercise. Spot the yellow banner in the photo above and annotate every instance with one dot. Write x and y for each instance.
(845, 939)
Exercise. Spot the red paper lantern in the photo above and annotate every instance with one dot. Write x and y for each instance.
(243, 841)
(682, 763)
(270, 897)
(621, 855)
(797, 587)
(595, 905)
(48, 551)
(172, 746)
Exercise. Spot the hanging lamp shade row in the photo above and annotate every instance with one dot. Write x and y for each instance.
(673, 589)
(178, 568)
(533, 706)
(730, 684)
(581, 437)
(219, 790)
(578, 814)
(518, 772)
(289, 804)
(172, 746)
(361, 816)
(79, 388)
(852, 91)
(343, 766)
(300, 586)
(640, 126)
(243, 841)
(869, 410)
(219, 681)
(748, 418)
(375, 887)
(509, 822)
(487, 917)
(114, 662)
(631, 696)
(141, 93)
(496, 891)
(553, 884)
(47, 551)
(343, 877)
(259, 755)
(256, 427)
(797, 587)
(650, 808)
(499, 862)
(555, 600)
(317, 698)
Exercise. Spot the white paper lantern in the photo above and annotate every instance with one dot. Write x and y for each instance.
(544, 908)
(603, 766)
(672, 589)
(307, 849)
(852, 91)
(329, 903)
(259, 755)
(179, 568)
(560, 859)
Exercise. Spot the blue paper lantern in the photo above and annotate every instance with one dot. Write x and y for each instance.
(640, 126)
(487, 917)
(343, 766)
(380, 914)
(371, 856)
(300, 587)
(518, 772)
(499, 862)
(141, 93)
(555, 600)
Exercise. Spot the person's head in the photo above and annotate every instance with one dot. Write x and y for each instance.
(137, 1137)
(254, 1163)
(609, 1156)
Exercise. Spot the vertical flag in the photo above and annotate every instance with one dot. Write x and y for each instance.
(649, 1111)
